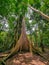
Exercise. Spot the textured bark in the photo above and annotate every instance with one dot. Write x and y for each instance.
(23, 43)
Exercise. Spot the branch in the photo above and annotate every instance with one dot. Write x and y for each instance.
(39, 12)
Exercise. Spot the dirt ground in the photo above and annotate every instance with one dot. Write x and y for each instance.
(27, 59)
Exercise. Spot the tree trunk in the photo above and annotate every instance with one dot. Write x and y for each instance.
(23, 43)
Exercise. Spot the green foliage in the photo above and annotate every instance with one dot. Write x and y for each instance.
(19, 9)
(5, 41)
(6, 7)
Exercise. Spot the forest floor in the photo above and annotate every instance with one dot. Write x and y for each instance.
(28, 59)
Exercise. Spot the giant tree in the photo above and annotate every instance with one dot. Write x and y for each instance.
(20, 10)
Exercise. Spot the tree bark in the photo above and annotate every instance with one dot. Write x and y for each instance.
(23, 43)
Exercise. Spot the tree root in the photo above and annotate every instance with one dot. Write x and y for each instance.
(3, 62)
(39, 53)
